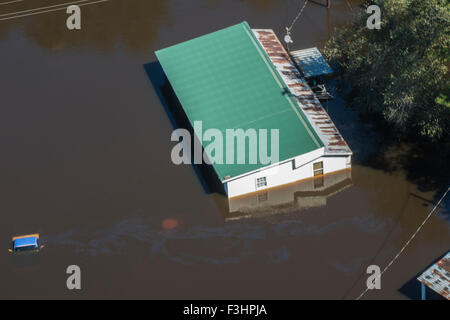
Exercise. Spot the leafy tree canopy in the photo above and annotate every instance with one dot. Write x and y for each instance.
(399, 72)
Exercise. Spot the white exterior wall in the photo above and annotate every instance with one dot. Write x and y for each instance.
(296, 169)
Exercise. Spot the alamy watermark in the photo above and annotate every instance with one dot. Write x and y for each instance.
(374, 20)
(74, 280)
(73, 22)
(231, 151)
(374, 280)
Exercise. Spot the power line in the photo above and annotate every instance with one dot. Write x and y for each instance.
(9, 2)
(47, 7)
(349, 5)
(297, 17)
(404, 247)
(45, 11)
(402, 212)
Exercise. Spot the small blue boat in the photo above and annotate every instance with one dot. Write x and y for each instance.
(25, 243)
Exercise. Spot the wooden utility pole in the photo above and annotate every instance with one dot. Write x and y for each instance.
(328, 4)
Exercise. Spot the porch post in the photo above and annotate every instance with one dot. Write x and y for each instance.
(422, 289)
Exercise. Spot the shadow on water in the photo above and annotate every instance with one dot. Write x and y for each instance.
(412, 288)
(172, 106)
(424, 164)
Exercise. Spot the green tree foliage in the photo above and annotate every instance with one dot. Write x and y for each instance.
(399, 72)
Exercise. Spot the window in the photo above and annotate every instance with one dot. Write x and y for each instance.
(318, 168)
(261, 182)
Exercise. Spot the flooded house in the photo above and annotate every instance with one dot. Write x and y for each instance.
(240, 78)
(288, 199)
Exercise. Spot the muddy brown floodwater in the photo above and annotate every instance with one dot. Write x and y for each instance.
(85, 161)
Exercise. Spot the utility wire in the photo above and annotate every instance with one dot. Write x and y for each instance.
(47, 7)
(404, 247)
(9, 2)
(297, 17)
(349, 5)
(30, 12)
(402, 212)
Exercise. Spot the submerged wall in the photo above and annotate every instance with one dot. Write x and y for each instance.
(296, 169)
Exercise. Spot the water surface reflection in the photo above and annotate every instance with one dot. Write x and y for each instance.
(86, 162)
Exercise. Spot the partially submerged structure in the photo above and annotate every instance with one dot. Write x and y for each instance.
(315, 69)
(25, 243)
(437, 278)
(313, 193)
(239, 78)
(311, 63)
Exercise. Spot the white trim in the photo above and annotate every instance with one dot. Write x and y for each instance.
(273, 165)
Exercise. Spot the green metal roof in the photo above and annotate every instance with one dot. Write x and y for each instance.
(226, 80)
